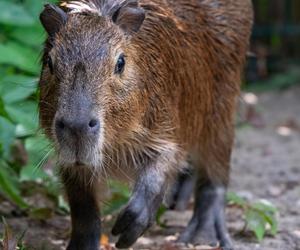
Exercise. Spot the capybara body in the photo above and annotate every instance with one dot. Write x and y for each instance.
(135, 89)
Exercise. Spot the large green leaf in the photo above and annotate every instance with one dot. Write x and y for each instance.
(3, 111)
(38, 150)
(7, 135)
(32, 35)
(14, 14)
(9, 186)
(19, 56)
(34, 6)
(257, 223)
(25, 115)
(14, 88)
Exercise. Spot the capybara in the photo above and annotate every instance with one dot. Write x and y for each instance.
(136, 90)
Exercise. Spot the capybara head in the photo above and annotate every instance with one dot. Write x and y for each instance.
(90, 93)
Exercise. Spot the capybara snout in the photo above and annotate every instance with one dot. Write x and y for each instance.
(90, 85)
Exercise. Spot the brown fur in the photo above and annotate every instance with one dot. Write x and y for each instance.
(180, 86)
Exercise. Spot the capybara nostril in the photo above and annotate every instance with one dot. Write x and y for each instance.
(94, 123)
(59, 124)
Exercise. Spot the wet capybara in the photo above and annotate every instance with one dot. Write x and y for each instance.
(134, 90)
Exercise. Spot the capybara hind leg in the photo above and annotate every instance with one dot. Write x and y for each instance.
(182, 190)
(140, 212)
(207, 226)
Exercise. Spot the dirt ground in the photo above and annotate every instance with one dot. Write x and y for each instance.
(265, 165)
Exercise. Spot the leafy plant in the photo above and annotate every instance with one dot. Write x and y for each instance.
(119, 195)
(21, 39)
(260, 216)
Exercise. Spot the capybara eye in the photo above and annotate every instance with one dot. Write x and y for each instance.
(50, 64)
(120, 64)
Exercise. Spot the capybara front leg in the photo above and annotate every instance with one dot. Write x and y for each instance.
(85, 215)
(140, 212)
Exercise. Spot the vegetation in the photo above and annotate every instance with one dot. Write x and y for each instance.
(260, 216)
(22, 149)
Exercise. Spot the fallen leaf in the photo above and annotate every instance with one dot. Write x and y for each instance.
(104, 243)
(104, 240)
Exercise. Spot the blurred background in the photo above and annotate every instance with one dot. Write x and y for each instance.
(275, 43)
(30, 193)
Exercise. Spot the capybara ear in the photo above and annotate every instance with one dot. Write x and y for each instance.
(129, 17)
(53, 18)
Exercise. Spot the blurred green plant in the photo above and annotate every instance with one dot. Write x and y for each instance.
(260, 216)
(22, 147)
(277, 81)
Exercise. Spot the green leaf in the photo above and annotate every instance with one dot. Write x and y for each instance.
(33, 36)
(119, 188)
(20, 56)
(31, 172)
(9, 186)
(14, 14)
(264, 206)
(256, 223)
(272, 221)
(25, 116)
(3, 111)
(161, 211)
(14, 88)
(7, 135)
(38, 150)
(120, 194)
(235, 199)
(268, 211)
(62, 204)
(34, 7)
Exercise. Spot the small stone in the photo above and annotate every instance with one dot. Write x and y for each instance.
(297, 233)
(275, 191)
(171, 238)
(144, 241)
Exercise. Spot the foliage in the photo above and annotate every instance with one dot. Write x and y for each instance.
(277, 81)
(22, 148)
(260, 216)
(119, 195)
